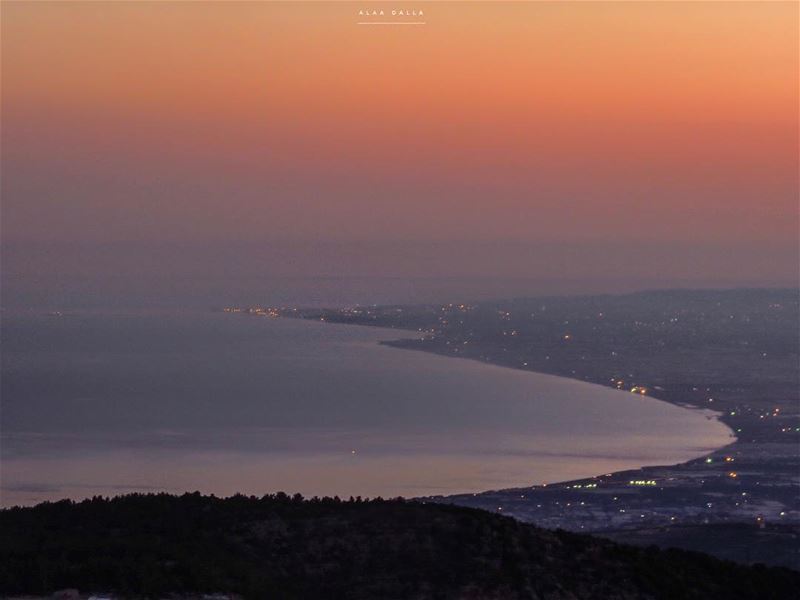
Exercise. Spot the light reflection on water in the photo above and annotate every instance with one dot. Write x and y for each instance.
(108, 403)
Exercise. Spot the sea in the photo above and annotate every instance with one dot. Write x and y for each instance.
(113, 400)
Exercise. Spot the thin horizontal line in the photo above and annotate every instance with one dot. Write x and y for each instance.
(391, 23)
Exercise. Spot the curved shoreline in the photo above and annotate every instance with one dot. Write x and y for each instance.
(734, 482)
(708, 413)
(400, 344)
(450, 427)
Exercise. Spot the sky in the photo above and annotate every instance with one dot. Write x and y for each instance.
(620, 140)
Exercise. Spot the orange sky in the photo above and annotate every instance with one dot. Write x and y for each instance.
(526, 121)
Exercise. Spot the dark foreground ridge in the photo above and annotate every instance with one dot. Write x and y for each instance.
(286, 547)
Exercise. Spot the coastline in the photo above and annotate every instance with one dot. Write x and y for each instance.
(742, 486)
(738, 479)
(451, 427)
(723, 353)
(704, 411)
(717, 416)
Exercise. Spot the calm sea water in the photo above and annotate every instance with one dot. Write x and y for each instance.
(106, 403)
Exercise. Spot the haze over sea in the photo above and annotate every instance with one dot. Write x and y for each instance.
(112, 400)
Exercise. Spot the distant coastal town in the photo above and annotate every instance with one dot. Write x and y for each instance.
(734, 352)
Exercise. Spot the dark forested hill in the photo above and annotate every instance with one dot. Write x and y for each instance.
(283, 547)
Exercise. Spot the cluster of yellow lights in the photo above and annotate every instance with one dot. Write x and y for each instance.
(638, 389)
(254, 310)
(642, 482)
